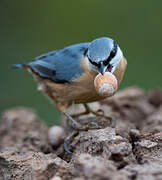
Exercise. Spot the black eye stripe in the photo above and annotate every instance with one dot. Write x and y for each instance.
(94, 63)
(112, 54)
(106, 62)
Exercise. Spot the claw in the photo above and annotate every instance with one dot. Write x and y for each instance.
(79, 127)
(68, 140)
(66, 148)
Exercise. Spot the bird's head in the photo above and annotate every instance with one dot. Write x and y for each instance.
(103, 55)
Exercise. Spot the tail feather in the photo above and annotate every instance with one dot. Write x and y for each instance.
(17, 65)
(21, 66)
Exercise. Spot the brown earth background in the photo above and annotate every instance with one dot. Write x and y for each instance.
(131, 150)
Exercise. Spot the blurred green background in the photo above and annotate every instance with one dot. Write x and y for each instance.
(30, 28)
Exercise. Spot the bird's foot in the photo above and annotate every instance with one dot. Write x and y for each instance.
(99, 113)
(68, 140)
(81, 127)
(77, 127)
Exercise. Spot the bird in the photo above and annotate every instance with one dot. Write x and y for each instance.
(67, 75)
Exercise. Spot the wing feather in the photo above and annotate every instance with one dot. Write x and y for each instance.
(62, 65)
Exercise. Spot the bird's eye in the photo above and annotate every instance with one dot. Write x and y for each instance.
(113, 52)
(106, 62)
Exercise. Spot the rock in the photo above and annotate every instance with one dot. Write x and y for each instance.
(56, 135)
(20, 129)
(155, 98)
(151, 171)
(104, 143)
(31, 165)
(95, 168)
(154, 122)
(131, 150)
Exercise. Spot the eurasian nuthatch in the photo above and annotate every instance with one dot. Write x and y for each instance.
(67, 75)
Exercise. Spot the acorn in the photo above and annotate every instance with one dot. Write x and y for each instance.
(106, 85)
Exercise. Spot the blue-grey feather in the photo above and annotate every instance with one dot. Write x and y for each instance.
(99, 49)
(62, 65)
(17, 65)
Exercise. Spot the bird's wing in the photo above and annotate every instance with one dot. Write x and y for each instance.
(62, 65)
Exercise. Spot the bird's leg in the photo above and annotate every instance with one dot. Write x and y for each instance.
(81, 113)
(77, 127)
(99, 113)
(68, 140)
(80, 127)
(88, 110)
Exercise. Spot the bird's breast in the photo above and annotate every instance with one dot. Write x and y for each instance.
(120, 70)
(80, 90)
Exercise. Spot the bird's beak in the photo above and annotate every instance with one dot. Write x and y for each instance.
(102, 68)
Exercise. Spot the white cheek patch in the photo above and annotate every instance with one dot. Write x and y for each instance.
(115, 61)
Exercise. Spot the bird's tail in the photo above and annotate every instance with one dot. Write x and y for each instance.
(17, 65)
(21, 66)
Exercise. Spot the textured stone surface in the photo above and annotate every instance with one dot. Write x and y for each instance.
(130, 150)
